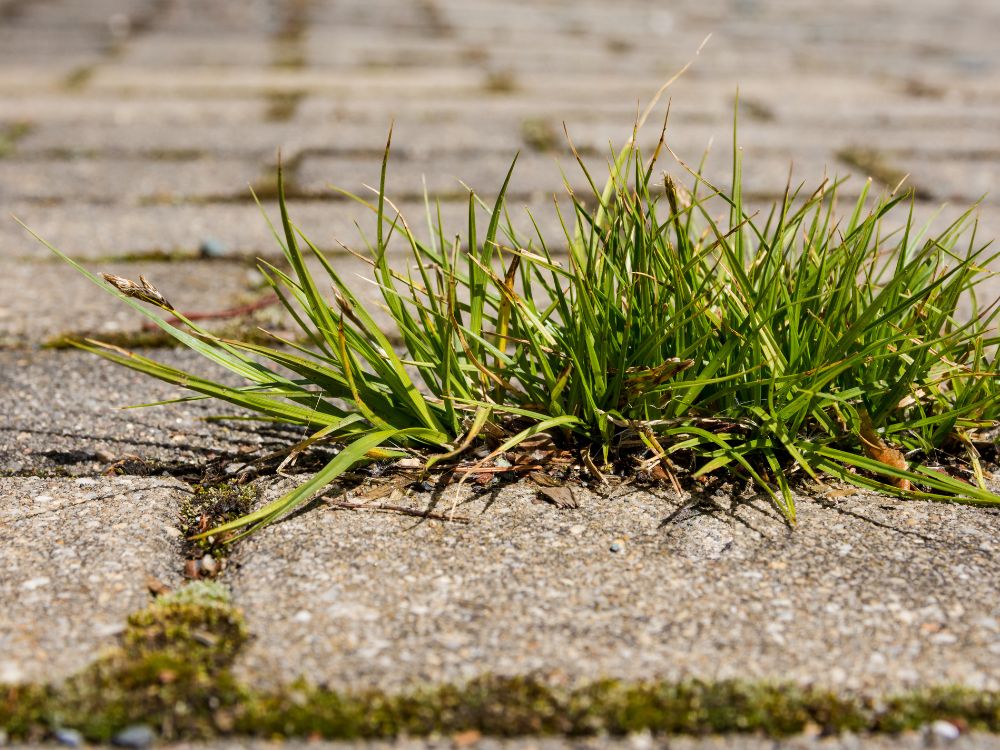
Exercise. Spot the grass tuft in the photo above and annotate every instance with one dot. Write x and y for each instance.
(665, 327)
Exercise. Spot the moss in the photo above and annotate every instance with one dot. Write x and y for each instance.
(210, 506)
(79, 77)
(757, 110)
(526, 706)
(970, 709)
(288, 40)
(195, 624)
(23, 710)
(172, 672)
(876, 165)
(282, 105)
(539, 134)
(500, 82)
(240, 257)
(11, 134)
(175, 154)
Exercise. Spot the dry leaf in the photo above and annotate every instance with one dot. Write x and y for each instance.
(544, 480)
(877, 449)
(561, 497)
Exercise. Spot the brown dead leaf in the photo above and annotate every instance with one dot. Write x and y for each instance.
(561, 497)
(386, 489)
(877, 449)
(544, 480)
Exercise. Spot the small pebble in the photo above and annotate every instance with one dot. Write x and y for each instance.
(135, 736)
(68, 737)
(209, 566)
(212, 248)
(945, 730)
(617, 546)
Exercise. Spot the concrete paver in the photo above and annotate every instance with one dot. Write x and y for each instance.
(866, 594)
(31, 314)
(75, 561)
(65, 413)
(129, 127)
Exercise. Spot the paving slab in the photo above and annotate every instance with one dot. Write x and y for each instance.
(146, 120)
(93, 233)
(55, 109)
(64, 413)
(866, 594)
(263, 139)
(76, 557)
(124, 180)
(40, 302)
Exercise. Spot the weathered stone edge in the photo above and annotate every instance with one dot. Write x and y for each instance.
(171, 674)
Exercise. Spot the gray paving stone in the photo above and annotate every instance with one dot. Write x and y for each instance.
(96, 232)
(117, 135)
(65, 414)
(535, 176)
(125, 180)
(45, 300)
(125, 80)
(75, 559)
(867, 593)
(204, 47)
(53, 110)
(101, 232)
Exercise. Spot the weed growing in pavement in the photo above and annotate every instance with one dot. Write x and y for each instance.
(650, 334)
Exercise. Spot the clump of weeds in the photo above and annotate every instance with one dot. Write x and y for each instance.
(658, 330)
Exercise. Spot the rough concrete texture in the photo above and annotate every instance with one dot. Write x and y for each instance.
(65, 413)
(85, 309)
(76, 558)
(865, 594)
(134, 126)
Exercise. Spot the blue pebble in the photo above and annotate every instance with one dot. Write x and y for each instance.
(137, 736)
(68, 737)
(212, 248)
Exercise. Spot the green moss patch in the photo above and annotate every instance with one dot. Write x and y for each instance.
(878, 166)
(11, 134)
(172, 673)
(209, 506)
(526, 706)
